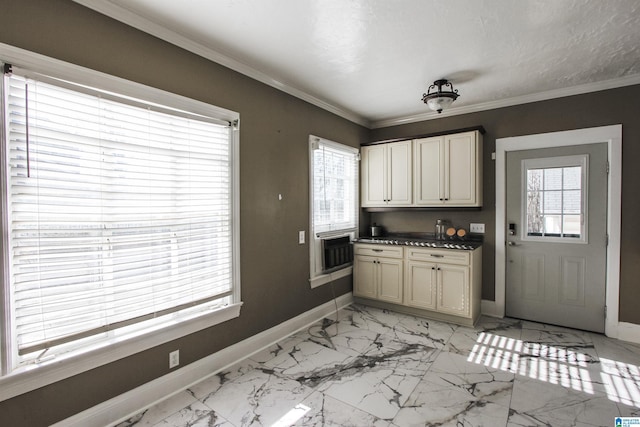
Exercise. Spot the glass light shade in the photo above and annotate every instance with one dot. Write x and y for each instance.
(440, 103)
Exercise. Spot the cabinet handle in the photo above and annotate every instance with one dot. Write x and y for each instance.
(433, 268)
(437, 256)
(377, 250)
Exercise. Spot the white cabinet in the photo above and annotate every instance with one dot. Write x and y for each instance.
(439, 287)
(429, 166)
(386, 174)
(448, 170)
(453, 289)
(365, 273)
(438, 171)
(378, 272)
(439, 283)
(444, 280)
(420, 285)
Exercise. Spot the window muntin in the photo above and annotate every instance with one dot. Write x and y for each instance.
(120, 216)
(554, 198)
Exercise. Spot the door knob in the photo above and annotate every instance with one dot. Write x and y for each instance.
(512, 244)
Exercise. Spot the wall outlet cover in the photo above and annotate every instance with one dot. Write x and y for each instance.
(476, 228)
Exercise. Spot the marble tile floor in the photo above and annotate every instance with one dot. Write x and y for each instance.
(380, 368)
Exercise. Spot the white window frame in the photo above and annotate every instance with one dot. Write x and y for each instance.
(557, 162)
(35, 376)
(317, 276)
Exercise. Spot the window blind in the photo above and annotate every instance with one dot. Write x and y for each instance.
(118, 213)
(335, 187)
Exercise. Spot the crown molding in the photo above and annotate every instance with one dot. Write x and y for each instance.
(134, 20)
(508, 102)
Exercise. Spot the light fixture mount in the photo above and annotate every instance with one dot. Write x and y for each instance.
(440, 99)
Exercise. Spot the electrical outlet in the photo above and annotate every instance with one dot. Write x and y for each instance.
(476, 228)
(174, 359)
(301, 237)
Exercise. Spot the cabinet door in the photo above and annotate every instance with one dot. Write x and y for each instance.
(429, 171)
(390, 280)
(400, 173)
(453, 290)
(460, 161)
(364, 276)
(420, 285)
(373, 175)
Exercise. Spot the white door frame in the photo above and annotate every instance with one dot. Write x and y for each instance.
(612, 135)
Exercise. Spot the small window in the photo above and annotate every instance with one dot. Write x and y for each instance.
(334, 196)
(554, 198)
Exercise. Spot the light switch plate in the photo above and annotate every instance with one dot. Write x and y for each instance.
(476, 228)
(301, 237)
(174, 359)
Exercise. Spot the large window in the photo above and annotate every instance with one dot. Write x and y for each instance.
(119, 216)
(334, 196)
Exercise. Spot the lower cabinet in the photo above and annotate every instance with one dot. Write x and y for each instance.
(440, 283)
(421, 286)
(453, 290)
(379, 277)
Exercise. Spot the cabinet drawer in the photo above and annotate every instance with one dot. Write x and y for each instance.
(379, 250)
(441, 256)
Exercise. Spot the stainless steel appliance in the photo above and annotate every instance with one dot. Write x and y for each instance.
(376, 230)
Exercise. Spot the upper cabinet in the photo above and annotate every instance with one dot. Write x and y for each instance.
(446, 172)
(386, 174)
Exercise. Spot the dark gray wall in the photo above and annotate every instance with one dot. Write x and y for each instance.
(273, 159)
(617, 106)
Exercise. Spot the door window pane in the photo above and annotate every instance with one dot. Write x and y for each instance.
(552, 179)
(572, 178)
(554, 203)
(571, 202)
(534, 212)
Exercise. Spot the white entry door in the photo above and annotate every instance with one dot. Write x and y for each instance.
(556, 207)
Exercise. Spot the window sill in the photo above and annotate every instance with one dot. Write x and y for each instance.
(326, 278)
(32, 377)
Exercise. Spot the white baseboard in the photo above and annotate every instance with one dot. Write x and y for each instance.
(489, 308)
(629, 332)
(132, 402)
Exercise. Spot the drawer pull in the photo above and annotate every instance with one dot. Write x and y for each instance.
(377, 250)
(437, 256)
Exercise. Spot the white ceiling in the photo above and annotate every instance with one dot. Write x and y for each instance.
(371, 60)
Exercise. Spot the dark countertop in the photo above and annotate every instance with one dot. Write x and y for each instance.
(427, 240)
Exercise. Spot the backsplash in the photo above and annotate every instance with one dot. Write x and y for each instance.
(425, 221)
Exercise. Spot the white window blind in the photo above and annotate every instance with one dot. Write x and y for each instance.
(119, 213)
(335, 187)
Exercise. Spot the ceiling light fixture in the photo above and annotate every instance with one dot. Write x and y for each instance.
(440, 99)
